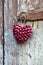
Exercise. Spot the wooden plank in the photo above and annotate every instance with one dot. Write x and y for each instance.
(31, 53)
(33, 15)
(1, 34)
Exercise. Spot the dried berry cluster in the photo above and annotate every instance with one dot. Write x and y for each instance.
(22, 33)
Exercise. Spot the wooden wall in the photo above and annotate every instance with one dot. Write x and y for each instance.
(1, 34)
(30, 53)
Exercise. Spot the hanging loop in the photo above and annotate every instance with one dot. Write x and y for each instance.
(22, 17)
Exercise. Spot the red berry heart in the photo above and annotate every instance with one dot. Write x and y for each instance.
(22, 33)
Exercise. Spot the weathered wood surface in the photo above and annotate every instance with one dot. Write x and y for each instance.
(30, 53)
(33, 9)
(1, 34)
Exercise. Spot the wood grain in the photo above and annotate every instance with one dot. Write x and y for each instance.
(1, 34)
(34, 15)
(32, 8)
(31, 53)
